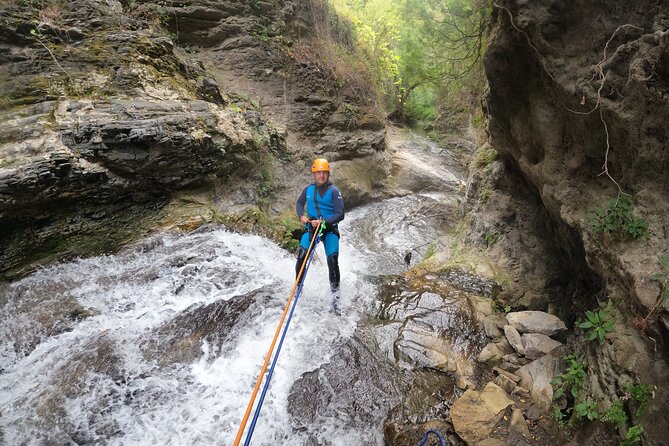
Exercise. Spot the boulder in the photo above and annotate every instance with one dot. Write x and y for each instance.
(518, 424)
(514, 339)
(492, 325)
(536, 377)
(476, 414)
(537, 345)
(535, 322)
(495, 350)
(490, 352)
(505, 383)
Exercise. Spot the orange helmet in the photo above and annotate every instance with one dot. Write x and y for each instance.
(320, 165)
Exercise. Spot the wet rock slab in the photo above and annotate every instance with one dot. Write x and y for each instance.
(435, 326)
(356, 388)
(180, 339)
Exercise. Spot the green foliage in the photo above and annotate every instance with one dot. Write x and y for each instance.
(351, 113)
(586, 409)
(615, 414)
(421, 52)
(484, 157)
(642, 394)
(560, 416)
(571, 380)
(597, 324)
(490, 238)
(633, 436)
(422, 104)
(484, 194)
(430, 252)
(617, 218)
(507, 308)
(6, 162)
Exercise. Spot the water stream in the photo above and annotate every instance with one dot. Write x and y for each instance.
(162, 342)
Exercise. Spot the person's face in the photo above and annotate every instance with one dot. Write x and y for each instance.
(321, 177)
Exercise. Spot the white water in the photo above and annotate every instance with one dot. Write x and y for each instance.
(95, 385)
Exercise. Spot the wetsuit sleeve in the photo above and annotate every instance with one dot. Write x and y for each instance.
(301, 201)
(338, 204)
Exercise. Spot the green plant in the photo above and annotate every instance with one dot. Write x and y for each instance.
(430, 251)
(597, 324)
(615, 414)
(507, 308)
(485, 156)
(490, 238)
(571, 380)
(484, 194)
(617, 218)
(351, 114)
(642, 394)
(633, 436)
(560, 416)
(586, 409)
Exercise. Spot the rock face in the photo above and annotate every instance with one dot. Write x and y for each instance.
(564, 116)
(282, 55)
(566, 108)
(109, 111)
(356, 388)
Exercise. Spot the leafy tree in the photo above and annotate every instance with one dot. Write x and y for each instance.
(423, 52)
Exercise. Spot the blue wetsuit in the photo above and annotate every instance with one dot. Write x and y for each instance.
(322, 202)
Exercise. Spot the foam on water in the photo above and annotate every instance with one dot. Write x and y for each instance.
(90, 382)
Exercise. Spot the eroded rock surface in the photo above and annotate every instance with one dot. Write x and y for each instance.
(566, 108)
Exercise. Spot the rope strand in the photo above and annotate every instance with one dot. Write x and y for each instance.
(276, 336)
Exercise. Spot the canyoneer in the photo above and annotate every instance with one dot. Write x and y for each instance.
(321, 201)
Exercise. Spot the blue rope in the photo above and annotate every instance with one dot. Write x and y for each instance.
(256, 414)
(430, 431)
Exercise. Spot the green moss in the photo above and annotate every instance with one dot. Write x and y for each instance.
(4, 162)
(485, 156)
(254, 220)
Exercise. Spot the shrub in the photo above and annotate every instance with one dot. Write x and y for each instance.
(586, 409)
(490, 238)
(617, 218)
(633, 436)
(642, 394)
(571, 380)
(615, 414)
(560, 416)
(597, 324)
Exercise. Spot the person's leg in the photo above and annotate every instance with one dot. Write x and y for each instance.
(302, 253)
(331, 242)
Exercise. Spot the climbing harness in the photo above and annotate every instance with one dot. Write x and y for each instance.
(430, 431)
(297, 289)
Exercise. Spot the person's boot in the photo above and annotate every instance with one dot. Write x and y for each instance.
(301, 255)
(333, 269)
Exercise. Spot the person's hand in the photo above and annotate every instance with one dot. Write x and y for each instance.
(316, 223)
(304, 220)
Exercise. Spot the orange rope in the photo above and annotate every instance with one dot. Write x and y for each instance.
(271, 348)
